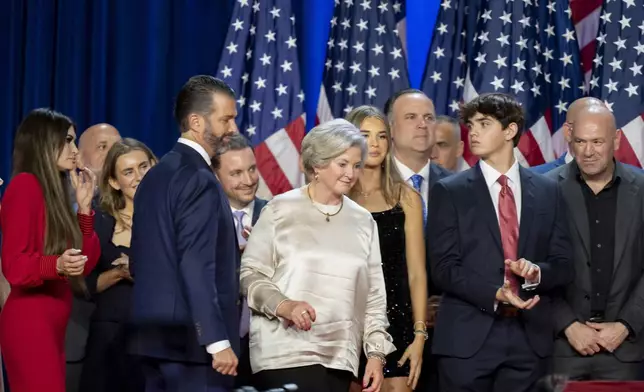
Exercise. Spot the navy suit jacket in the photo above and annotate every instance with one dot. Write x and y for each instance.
(467, 258)
(185, 261)
(436, 173)
(257, 209)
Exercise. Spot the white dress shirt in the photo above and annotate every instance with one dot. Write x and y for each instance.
(247, 220)
(407, 173)
(221, 345)
(491, 176)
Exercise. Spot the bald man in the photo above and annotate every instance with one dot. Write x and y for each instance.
(94, 144)
(448, 149)
(571, 116)
(599, 322)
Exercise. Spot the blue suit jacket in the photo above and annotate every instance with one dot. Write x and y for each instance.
(436, 173)
(185, 261)
(257, 208)
(467, 258)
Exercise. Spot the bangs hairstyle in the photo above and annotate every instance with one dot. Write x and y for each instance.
(391, 181)
(112, 200)
(502, 107)
(38, 143)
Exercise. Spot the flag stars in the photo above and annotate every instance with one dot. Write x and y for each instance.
(371, 92)
(337, 87)
(436, 77)
(454, 106)
(300, 96)
(566, 59)
(459, 82)
(358, 47)
(500, 61)
(291, 42)
(620, 43)
(394, 73)
(396, 53)
(631, 90)
(439, 52)
(480, 59)
(286, 65)
(260, 83)
(506, 18)
(281, 90)
(238, 24)
(497, 83)
(640, 48)
(611, 86)
(374, 71)
(616, 64)
(564, 83)
(227, 71)
(377, 49)
(442, 29)
(381, 29)
(625, 22)
(569, 35)
(232, 48)
(270, 36)
(352, 89)
(504, 39)
(277, 113)
(256, 106)
(275, 12)
(517, 86)
(561, 106)
(355, 67)
(519, 65)
(265, 59)
(536, 90)
(636, 69)
(241, 101)
(251, 130)
(362, 25)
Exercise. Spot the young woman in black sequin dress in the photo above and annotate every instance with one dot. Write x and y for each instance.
(397, 209)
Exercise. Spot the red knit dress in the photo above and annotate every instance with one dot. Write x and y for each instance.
(34, 318)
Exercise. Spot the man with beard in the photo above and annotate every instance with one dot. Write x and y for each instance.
(184, 253)
(236, 168)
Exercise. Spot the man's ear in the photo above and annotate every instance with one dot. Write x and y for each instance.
(511, 131)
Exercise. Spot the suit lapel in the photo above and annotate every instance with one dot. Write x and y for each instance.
(484, 205)
(577, 205)
(257, 209)
(626, 213)
(527, 208)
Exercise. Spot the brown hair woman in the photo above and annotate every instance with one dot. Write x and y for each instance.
(398, 210)
(46, 248)
(108, 367)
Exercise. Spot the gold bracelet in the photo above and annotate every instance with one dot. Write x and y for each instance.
(422, 323)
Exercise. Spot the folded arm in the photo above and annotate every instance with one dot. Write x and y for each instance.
(448, 272)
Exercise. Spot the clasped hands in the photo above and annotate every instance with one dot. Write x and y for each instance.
(589, 338)
(527, 270)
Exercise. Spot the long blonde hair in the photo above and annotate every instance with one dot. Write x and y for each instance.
(391, 182)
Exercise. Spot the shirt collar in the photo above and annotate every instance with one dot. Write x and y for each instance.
(248, 209)
(197, 147)
(406, 172)
(491, 175)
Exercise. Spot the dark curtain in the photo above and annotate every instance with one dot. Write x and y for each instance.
(115, 61)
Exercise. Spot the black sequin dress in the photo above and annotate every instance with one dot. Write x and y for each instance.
(391, 230)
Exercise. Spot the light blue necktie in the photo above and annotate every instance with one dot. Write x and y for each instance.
(417, 181)
(244, 322)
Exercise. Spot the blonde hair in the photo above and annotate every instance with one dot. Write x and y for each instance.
(391, 182)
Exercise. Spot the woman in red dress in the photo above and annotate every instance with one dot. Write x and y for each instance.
(46, 250)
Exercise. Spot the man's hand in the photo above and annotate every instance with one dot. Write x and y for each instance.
(225, 362)
(584, 339)
(525, 269)
(432, 309)
(611, 335)
(504, 294)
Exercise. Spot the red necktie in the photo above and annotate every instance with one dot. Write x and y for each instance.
(509, 225)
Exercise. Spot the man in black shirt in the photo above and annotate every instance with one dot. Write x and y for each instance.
(599, 319)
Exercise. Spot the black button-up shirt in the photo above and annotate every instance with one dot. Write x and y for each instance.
(601, 209)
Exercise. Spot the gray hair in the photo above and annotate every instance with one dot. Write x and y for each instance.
(328, 141)
(234, 142)
(452, 121)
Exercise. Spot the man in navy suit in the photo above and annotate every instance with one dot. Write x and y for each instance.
(499, 249)
(412, 119)
(185, 257)
(236, 169)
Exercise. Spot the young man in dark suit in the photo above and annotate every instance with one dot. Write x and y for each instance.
(599, 320)
(236, 169)
(499, 249)
(185, 257)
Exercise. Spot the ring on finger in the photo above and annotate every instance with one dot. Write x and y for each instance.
(304, 312)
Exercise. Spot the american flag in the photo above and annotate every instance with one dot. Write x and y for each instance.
(260, 63)
(365, 61)
(526, 48)
(617, 75)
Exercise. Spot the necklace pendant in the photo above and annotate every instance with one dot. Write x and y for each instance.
(327, 219)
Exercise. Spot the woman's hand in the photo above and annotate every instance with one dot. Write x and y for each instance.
(71, 263)
(298, 313)
(84, 183)
(373, 377)
(122, 265)
(414, 354)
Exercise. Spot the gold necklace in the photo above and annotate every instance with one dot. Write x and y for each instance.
(308, 192)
